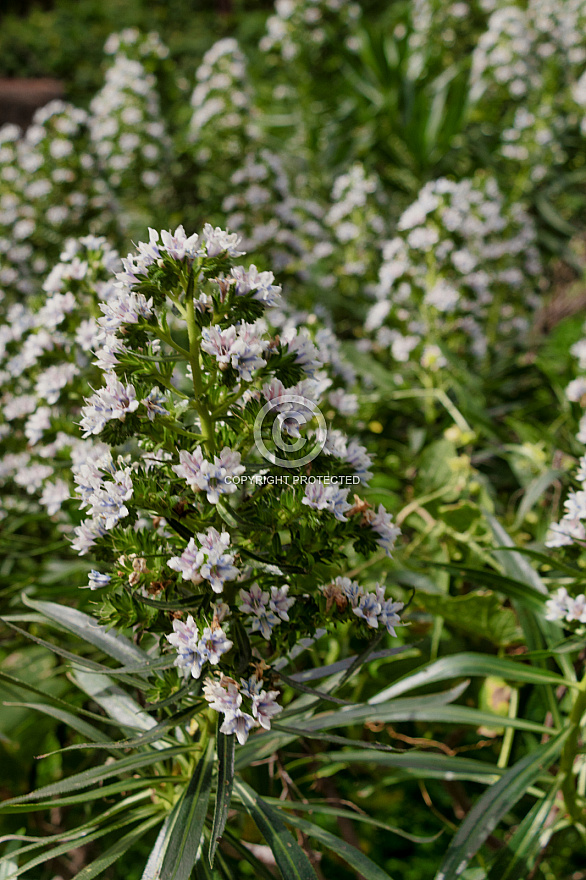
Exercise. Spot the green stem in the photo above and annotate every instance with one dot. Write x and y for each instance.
(510, 731)
(166, 337)
(193, 333)
(569, 753)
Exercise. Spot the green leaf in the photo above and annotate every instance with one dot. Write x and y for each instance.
(86, 627)
(186, 835)
(82, 727)
(66, 847)
(111, 855)
(515, 565)
(260, 870)
(98, 774)
(516, 860)
(555, 564)
(226, 751)
(153, 867)
(507, 585)
(419, 709)
(458, 665)
(345, 851)
(14, 682)
(341, 665)
(305, 689)
(535, 492)
(103, 791)
(357, 816)
(495, 803)
(290, 858)
(421, 765)
(115, 701)
(481, 613)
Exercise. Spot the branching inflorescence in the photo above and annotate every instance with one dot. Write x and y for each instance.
(206, 499)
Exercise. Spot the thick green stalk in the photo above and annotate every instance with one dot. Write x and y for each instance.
(207, 425)
(569, 753)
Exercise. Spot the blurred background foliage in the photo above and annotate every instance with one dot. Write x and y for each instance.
(408, 117)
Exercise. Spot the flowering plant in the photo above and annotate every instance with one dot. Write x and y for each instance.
(188, 513)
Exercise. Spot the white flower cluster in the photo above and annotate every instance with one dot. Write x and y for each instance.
(373, 608)
(572, 526)
(504, 56)
(45, 365)
(222, 103)
(436, 26)
(226, 695)
(562, 606)
(459, 251)
(213, 478)
(50, 188)
(135, 44)
(208, 559)
(261, 208)
(103, 487)
(126, 125)
(266, 610)
(195, 650)
(534, 53)
(299, 25)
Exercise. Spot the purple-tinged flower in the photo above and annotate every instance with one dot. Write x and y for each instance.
(96, 580)
(188, 563)
(214, 478)
(389, 616)
(154, 403)
(127, 307)
(382, 523)
(264, 623)
(178, 245)
(217, 567)
(321, 497)
(261, 283)
(253, 601)
(217, 241)
(54, 494)
(223, 696)
(184, 639)
(558, 605)
(113, 401)
(239, 723)
(86, 535)
(214, 643)
(577, 609)
(280, 602)
(369, 609)
(37, 423)
(264, 707)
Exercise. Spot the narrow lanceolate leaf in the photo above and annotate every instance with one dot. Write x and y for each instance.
(116, 702)
(68, 718)
(155, 861)
(494, 804)
(341, 665)
(226, 750)
(290, 858)
(420, 765)
(345, 851)
(517, 859)
(186, 837)
(111, 855)
(355, 815)
(83, 780)
(88, 628)
(469, 664)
